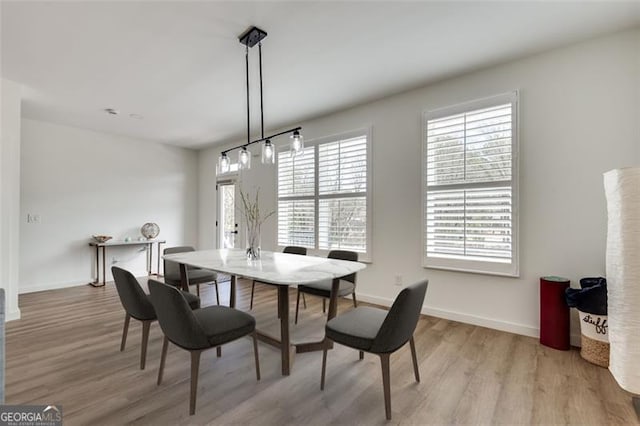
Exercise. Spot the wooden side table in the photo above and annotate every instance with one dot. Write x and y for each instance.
(98, 246)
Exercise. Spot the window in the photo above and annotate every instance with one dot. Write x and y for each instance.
(323, 195)
(470, 187)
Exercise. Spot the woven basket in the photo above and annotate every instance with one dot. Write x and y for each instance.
(595, 338)
(595, 351)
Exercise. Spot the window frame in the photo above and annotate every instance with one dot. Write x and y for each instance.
(511, 269)
(316, 197)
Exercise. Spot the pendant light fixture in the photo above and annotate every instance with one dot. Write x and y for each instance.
(297, 143)
(250, 38)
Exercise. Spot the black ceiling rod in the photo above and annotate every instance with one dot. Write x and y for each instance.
(246, 57)
(261, 105)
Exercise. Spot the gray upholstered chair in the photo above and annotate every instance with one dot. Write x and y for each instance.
(379, 332)
(290, 250)
(137, 305)
(195, 275)
(197, 330)
(323, 288)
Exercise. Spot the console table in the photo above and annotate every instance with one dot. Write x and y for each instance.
(97, 245)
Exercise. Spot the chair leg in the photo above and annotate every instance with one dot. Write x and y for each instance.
(145, 341)
(297, 307)
(217, 294)
(386, 384)
(355, 302)
(325, 349)
(255, 353)
(361, 355)
(416, 372)
(304, 301)
(163, 358)
(324, 305)
(195, 365)
(253, 288)
(219, 351)
(125, 330)
(198, 290)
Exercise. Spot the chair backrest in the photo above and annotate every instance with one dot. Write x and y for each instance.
(134, 300)
(295, 250)
(175, 317)
(172, 269)
(345, 255)
(401, 321)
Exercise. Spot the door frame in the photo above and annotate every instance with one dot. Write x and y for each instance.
(226, 180)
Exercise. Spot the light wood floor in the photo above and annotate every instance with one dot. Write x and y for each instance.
(65, 350)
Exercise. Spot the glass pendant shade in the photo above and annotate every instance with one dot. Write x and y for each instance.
(244, 159)
(297, 143)
(268, 153)
(223, 164)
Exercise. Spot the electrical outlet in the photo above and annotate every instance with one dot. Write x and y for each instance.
(33, 218)
(114, 260)
(399, 280)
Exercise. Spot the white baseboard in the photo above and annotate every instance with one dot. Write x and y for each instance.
(510, 327)
(51, 286)
(57, 286)
(461, 317)
(576, 340)
(12, 315)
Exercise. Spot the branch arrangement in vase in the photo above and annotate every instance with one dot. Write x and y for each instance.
(253, 220)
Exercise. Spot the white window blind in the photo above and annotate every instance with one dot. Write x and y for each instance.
(469, 187)
(323, 201)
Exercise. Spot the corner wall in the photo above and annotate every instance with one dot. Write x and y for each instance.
(10, 193)
(579, 117)
(80, 183)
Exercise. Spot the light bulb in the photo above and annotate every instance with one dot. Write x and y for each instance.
(223, 163)
(267, 153)
(244, 158)
(297, 143)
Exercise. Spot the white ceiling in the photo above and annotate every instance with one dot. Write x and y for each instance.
(180, 65)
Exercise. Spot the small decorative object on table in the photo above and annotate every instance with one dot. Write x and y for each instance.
(101, 238)
(253, 220)
(150, 230)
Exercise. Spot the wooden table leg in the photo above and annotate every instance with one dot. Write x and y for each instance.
(184, 277)
(149, 259)
(104, 265)
(232, 291)
(97, 265)
(285, 343)
(333, 300)
(158, 270)
(96, 281)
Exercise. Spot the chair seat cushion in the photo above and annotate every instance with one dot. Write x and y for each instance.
(222, 324)
(356, 328)
(323, 288)
(192, 299)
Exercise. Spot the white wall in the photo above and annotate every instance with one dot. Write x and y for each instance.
(81, 183)
(10, 193)
(579, 116)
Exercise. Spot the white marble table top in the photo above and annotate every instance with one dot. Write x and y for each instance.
(273, 267)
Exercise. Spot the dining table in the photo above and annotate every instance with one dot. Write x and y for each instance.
(281, 270)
